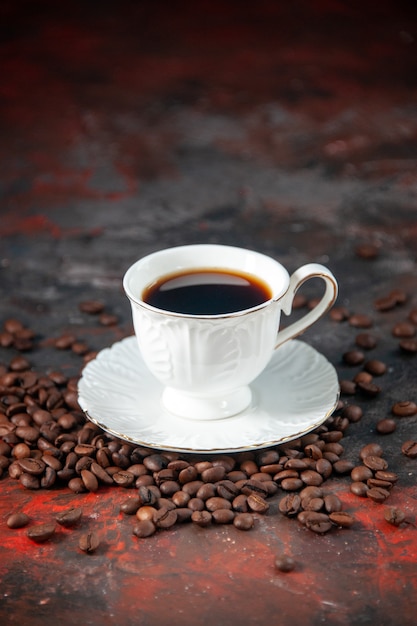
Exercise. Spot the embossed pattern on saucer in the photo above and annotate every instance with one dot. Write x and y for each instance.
(297, 391)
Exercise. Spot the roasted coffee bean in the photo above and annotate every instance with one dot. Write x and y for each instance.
(254, 486)
(183, 515)
(310, 492)
(18, 520)
(353, 357)
(347, 387)
(217, 503)
(290, 505)
(386, 426)
(181, 499)
(292, 484)
(93, 307)
(89, 542)
(29, 481)
(240, 503)
(369, 389)
(41, 532)
(201, 518)
(375, 367)
(359, 488)
(361, 473)
(123, 478)
(405, 408)
(284, 563)
(48, 479)
(76, 485)
(409, 448)
(223, 516)
(155, 462)
(404, 330)
(342, 519)
(188, 475)
(324, 467)
(101, 474)
(317, 522)
(332, 503)
(227, 489)
(69, 517)
(165, 518)
(363, 377)
(89, 480)
(375, 463)
(310, 477)
(144, 528)
(371, 449)
(206, 491)
(130, 506)
(145, 513)
(353, 413)
(394, 516)
(21, 451)
(360, 321)
(213, 474)
(408, 346)
(339, 314)
(377, 494)
(196, 504)
(32, 466)
(365, 341)
(344, 466)
(391, 477)
(257, 503)
(377, 482)
(243, 521)
(249, 467)
(313, 504)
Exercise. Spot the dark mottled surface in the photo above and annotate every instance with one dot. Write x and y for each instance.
(290, 128)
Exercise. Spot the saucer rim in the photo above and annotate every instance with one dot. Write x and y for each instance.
(219, 450)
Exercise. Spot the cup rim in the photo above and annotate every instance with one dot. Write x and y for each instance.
(134, 299)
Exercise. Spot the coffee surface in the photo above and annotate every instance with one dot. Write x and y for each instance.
(207, 292)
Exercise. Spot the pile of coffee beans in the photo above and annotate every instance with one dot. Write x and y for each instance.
(46, 443)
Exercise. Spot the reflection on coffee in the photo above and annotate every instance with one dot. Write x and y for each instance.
(207, 291)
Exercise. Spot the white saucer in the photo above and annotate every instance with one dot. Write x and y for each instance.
(297, 392)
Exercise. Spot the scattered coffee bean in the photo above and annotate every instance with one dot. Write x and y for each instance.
(377, 494)
(201, 518)
(18, 520)
(354, 357)
(404, 330)
(375, 367)
(386, 426)
(394, 516)
(89, 542)
(70, 517)
(366, 341)
(144, 528)
(41, 532)
(405, 408)
(408, 345)
(93, 307)
(284, 563)
(360, 321)
(342, 519)
(409, 448)
(243, 521)
(359, 489)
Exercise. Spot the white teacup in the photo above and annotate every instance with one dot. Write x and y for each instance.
(206, 362)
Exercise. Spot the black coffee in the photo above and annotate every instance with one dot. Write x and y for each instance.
(207, 292)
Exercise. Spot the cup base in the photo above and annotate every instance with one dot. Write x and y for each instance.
(201, 408)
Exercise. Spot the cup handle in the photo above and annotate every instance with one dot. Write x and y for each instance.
(300, 276)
